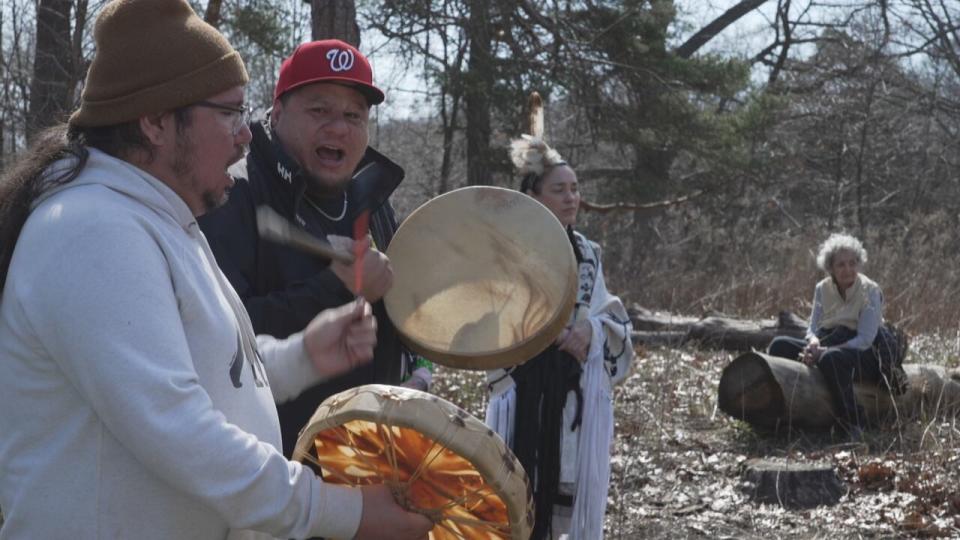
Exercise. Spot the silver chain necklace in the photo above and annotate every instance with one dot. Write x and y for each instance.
(326, 215)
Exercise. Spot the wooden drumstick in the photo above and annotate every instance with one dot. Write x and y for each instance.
(273, 227)
(361, 228)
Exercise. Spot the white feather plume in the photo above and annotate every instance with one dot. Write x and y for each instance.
(536, 115)
(531, 153)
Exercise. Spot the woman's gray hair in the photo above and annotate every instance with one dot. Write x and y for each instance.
(836, 243)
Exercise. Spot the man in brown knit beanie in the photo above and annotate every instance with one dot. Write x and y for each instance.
(139, 403)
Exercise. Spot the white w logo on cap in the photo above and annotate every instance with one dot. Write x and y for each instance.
(340, 59)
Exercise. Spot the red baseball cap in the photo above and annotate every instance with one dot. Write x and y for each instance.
(328, 60)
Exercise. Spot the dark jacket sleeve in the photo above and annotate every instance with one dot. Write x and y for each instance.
(287, 311)
(282, 289)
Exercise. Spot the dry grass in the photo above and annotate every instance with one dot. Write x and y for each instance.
(678, 460)
(756, 272)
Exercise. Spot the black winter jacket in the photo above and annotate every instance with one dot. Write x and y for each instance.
(282, 288)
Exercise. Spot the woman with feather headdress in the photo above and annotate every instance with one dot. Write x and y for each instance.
(555, 411)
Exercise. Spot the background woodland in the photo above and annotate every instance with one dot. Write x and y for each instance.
(712, 159)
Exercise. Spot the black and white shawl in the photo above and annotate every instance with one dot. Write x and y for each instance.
(587, 409)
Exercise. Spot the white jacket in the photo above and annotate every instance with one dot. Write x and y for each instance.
(134, 402)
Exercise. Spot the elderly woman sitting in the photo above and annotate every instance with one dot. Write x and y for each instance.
(847, 339)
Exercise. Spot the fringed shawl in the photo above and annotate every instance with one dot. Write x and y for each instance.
(584, 446)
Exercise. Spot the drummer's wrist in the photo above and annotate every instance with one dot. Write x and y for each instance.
(341, 508)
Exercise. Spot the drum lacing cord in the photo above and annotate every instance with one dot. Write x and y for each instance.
(400, 491)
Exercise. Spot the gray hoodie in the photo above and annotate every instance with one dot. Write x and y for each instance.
(136, 402)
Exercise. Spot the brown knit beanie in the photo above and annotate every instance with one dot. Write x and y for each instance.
(153, 56)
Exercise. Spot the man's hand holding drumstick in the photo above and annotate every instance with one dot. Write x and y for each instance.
(375, 272)
(341, 339)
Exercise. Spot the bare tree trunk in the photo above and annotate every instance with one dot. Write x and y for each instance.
(212, 15)
(451, 90)
(449, 120)
(3, 100)
(836, 203)
(20, 85)
(862, 152)
(79, 71)
(50, 90)
(783, 15)
(479, 85)
(335, 19)
(18, 31)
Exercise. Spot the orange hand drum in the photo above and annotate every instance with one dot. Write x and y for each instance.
(437, 459)
(484, 277)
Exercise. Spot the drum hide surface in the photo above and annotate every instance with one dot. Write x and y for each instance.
(484, 277)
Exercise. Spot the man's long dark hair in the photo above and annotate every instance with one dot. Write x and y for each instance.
(30, 176)
(27, 179)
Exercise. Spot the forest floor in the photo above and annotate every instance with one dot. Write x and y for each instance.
(678, 460)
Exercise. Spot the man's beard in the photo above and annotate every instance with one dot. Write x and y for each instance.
(212, 202)
(182, 167)
(322, 189)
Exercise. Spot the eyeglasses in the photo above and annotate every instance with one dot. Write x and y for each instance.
(240, 115)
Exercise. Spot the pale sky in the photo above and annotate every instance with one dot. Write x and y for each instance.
(405, 91)
(744, 38)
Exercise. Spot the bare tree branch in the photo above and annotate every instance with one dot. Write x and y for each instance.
(711, 30)
(588, 206)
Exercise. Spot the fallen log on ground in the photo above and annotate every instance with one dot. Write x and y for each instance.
(715, 331)
(770, 392)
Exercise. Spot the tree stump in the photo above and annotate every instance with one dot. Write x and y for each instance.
(771, 392)
(792, 484)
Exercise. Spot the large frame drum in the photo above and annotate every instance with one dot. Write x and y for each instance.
(484, 277)
(438, 460)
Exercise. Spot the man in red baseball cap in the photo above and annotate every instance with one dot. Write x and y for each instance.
(329, 60)
(310, 161)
